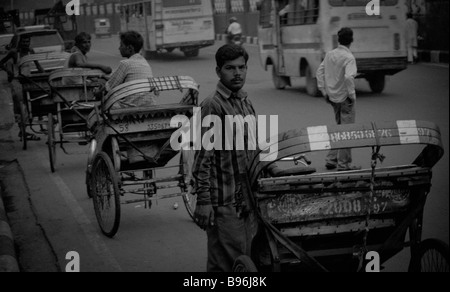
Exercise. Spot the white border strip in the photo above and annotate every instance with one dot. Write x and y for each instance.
(408, 132)
(319, 139)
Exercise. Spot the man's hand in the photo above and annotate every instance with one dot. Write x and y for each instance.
(106, 69)
(99, 91)
(204, 216)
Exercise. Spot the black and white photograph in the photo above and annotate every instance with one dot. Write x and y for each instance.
(202, 136)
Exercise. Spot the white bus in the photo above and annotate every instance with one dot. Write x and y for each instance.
(170, 24)
(294, 41)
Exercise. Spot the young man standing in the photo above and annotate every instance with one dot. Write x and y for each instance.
(412, 28)
(216, 172)
(336, 80)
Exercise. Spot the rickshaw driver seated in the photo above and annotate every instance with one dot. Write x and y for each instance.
(78, 59)
(135, 67)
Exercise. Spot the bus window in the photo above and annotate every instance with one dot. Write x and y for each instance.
(265, 14)
(312, 11)
(300, 12)
(148, 8)
(140, 10)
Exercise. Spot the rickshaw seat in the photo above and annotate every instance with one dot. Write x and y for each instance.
(32, 65)
(150, 85)
(298, 170)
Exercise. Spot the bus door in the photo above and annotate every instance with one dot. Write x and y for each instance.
(269, 34)
(278, 35)
(136, 19)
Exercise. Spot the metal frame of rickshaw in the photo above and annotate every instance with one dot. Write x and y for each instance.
(34, 71)
(293, 237)
(109, 176)
(74, 103)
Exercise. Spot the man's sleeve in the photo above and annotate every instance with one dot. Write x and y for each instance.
(350, 74)
(117, 77)
(202, 165)
(320, 75)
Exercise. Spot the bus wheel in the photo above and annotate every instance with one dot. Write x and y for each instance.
(192, 53)
(151, 54)
(280, 82)
(377, 83)
(311, 83)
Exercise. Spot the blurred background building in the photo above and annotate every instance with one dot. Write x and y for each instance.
(432, 15)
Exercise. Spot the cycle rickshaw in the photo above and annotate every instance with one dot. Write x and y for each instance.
(132, 144)
(72, 93)
(329, 221)
(34, 71)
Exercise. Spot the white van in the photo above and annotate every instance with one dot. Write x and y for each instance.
(171, 24)
(295, 35)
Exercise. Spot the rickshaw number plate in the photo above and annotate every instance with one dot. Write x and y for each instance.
(295, 208)
(143, 125)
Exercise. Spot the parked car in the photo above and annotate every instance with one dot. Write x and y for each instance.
(42, 39)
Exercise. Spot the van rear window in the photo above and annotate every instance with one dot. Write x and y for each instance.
(44, 40)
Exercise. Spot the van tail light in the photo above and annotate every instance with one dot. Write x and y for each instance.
(396, 41)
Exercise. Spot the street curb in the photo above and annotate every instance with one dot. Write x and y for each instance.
(8, 258)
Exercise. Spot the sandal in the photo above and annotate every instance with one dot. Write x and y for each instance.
(30, 137)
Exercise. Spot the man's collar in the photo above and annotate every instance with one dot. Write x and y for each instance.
(135, 56)
(227, 93)
(345, 48)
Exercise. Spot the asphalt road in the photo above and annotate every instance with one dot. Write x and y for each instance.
(164, 239)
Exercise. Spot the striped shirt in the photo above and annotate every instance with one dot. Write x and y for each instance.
(134, 68)
(216, 171)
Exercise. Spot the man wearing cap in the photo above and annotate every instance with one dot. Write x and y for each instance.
(233, 30)
(336, 80)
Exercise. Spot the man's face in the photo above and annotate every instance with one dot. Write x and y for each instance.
(125, 51)
(85, 46)
(233, 74)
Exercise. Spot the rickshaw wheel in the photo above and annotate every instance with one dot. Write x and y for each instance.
(51, 143)
(244, 264)
(105, 194)
(189, 197)
(23, 125)
(432, 256)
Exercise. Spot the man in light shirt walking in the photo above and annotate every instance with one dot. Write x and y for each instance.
(336, 80)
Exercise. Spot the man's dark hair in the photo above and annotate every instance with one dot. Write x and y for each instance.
(230, 52)
(81, 37)
(134, 39)
(345, 36)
